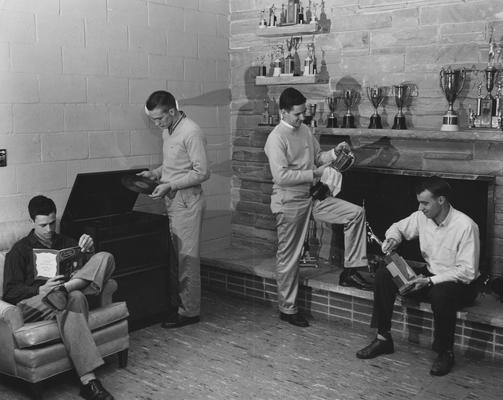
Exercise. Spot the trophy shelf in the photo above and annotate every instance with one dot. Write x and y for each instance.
(468, 135)
(289, 80)
(288, 30)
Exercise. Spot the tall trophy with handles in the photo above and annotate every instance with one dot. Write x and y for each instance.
(332, 103)
(351, 98)
(451, 83)
(402, 94)
(376, 96)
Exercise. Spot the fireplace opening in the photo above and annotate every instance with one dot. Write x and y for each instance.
(389, 195)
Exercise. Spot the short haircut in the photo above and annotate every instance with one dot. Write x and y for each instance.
(41, 205)
(289, 98)
(436, 185)
(161, 99)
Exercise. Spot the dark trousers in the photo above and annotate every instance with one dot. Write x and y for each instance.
(445, 298)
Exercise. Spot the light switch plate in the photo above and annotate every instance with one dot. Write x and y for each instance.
(3, 157)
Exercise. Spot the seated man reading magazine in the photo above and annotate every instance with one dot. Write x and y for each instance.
(54, 297)
(449, 242)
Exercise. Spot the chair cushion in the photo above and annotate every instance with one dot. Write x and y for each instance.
(45, 332)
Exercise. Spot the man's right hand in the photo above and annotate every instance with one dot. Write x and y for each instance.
(388, 245)
(51, 284)
(147, 174)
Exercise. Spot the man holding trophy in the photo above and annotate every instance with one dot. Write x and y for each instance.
(297, 163)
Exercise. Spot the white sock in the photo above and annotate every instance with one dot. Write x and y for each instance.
(86, 378)
(381, 337)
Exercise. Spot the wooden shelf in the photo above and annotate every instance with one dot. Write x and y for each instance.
(289, 80)
(464, 135)
(289, 30)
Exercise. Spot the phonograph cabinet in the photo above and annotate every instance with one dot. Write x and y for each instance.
(102, 207)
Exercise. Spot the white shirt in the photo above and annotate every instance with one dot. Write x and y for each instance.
(451, 249)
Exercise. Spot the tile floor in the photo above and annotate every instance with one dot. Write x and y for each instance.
(241, 350)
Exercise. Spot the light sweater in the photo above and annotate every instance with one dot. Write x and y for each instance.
(450, 249)
(185, 162)
(293, 153)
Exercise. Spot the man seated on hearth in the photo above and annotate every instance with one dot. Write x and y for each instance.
(53, 298)
(449, 242)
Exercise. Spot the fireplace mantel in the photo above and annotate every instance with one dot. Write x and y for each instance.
(480, 135)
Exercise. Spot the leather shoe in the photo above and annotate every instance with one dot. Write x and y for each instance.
(57, 298)
(443, 363)
(354, 279)
(294, 319)
(376, 348)
(179, 320)
(94, 390)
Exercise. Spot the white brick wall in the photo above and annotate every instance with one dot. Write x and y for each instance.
(74, 76)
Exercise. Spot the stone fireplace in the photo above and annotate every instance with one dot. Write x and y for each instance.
(471, 160)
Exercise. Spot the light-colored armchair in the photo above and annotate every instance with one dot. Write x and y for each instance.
(34, 351)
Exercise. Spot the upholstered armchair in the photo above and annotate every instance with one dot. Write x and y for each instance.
(34, 351)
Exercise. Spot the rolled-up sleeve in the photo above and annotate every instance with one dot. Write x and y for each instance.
(406, 228)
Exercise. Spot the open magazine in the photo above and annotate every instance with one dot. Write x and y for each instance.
(49, 262)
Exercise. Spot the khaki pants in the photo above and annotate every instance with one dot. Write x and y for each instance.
(291, 224)
(185, 212)
(72, 322)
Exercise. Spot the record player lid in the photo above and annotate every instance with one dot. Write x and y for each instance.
(99, 194)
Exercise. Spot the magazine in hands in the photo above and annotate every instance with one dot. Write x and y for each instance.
(403, 275)
(49, 262)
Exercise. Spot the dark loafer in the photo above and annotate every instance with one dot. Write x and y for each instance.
(57, 298)
(94, 390)
(443, 363)
(376, 348)
(294, 319)
(179, 320)
(354, 279)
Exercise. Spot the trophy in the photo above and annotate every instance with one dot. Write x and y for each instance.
(332, 103)
(376, 97)
(402, 94)
(309, 60)
(260, 62)
(451, 83)
(263, 22)
(351, 97)
(309, 119)
(289, 63)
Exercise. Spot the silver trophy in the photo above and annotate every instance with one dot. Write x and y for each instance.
(351, 98)
(332, 103)
(451, 82)
(376, 96)
(402, 94)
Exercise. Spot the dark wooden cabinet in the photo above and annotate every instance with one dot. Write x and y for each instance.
(101, 206)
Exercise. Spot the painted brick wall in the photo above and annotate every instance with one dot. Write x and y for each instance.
(382, 42)
(74, 76)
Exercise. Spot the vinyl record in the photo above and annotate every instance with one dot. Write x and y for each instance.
(138, 184)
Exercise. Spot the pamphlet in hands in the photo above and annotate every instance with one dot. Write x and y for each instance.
(50, 263)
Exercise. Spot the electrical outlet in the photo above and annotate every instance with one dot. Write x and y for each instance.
(3, 157)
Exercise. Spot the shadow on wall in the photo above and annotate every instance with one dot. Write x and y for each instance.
(252, 219)
(221, 97)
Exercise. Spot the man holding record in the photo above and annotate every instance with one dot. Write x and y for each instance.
(184, 168)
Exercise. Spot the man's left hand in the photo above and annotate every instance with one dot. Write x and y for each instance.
(342, 146)
(86, 243)
(421, 282)
(164, 189)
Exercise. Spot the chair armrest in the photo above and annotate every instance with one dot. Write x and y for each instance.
(11, 315)
(105, 297)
